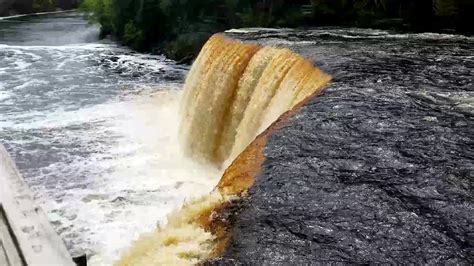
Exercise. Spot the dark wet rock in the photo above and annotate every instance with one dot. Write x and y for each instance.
(80, 260)
(178, 184)
(345, 187)
(120, 200)
(364, 173)
(71, 217)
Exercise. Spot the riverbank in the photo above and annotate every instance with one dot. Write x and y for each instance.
(92, 128)
(37, 14)
(373, 170)
(9, 8)
(178, 30)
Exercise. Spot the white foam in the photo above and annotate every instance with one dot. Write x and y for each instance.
(4, 95)
(144, 166)
(256, 29)
(105, 169)
(37, 14)
(357, 33)
(154, 63)
(80, 46)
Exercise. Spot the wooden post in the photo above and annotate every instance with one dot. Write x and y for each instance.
(26, 235)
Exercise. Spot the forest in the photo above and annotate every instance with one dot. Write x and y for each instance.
(15, 7)
(178, 28)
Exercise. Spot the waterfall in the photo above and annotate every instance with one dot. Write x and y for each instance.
(235, 90)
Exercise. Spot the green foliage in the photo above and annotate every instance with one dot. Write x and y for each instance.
(147, 24)
(410, 14)
(43, 5)
(185, 46)
(133, 36)
(100, 11)
(444, 8)
(179, 27)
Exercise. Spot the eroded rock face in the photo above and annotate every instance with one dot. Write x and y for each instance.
(378, 169)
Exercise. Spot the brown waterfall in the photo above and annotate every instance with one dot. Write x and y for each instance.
(233, 92)
(209, 88)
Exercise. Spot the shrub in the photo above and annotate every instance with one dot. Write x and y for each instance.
(181, 25)
(133, 36)
(43, 5)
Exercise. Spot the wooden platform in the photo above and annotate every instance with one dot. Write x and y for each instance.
(26, 236)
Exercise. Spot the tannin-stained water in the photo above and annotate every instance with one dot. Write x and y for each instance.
(228, 94)
(236, 90)
(93, 129)
(92, 125)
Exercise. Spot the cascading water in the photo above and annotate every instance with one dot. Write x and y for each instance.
(236, 90)
(233, 92)
(93, 129)
(93, 126)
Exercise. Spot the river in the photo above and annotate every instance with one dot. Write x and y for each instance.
(93, 125)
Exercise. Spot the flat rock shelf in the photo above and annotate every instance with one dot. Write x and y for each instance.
(377, 169)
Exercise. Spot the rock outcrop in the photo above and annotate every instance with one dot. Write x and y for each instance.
(376, 170)
(233, 92)
(388, 194)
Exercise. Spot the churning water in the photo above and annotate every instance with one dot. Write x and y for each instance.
(93, 128)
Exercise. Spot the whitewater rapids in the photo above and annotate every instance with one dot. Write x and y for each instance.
(93, 129)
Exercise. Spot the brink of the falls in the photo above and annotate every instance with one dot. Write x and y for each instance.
(236, 90)
(233, 92)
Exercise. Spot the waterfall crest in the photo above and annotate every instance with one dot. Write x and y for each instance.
(235, 90)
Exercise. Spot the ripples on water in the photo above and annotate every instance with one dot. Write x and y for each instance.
(92, 125)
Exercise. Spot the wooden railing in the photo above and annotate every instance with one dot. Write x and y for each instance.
(26, 235)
